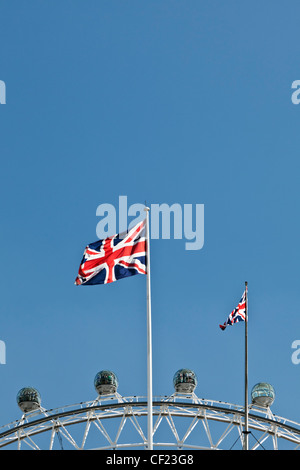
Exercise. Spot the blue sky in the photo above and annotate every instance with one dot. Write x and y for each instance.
(168, 102)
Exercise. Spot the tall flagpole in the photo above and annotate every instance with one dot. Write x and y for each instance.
(246, 433)
(149, 339)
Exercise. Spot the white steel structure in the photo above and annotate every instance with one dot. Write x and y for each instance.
(180, 421)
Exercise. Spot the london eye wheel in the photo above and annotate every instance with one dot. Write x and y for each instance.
(181, 421)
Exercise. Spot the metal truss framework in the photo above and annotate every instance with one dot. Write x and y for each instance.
(179, 422)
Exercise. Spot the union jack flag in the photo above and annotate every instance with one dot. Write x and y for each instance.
(238, 314)
(114, 258)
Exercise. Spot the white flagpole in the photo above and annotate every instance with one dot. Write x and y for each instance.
(246, 432)
(149, 339)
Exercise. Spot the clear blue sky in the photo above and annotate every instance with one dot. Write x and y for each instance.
(168, 102)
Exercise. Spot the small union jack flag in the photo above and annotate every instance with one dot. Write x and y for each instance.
(238, 314)
(114, 258)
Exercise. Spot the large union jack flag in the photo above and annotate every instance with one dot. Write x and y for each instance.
(114, 258)
(238, 314)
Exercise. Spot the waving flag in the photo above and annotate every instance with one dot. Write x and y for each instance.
(114, 258)
(238, 314)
